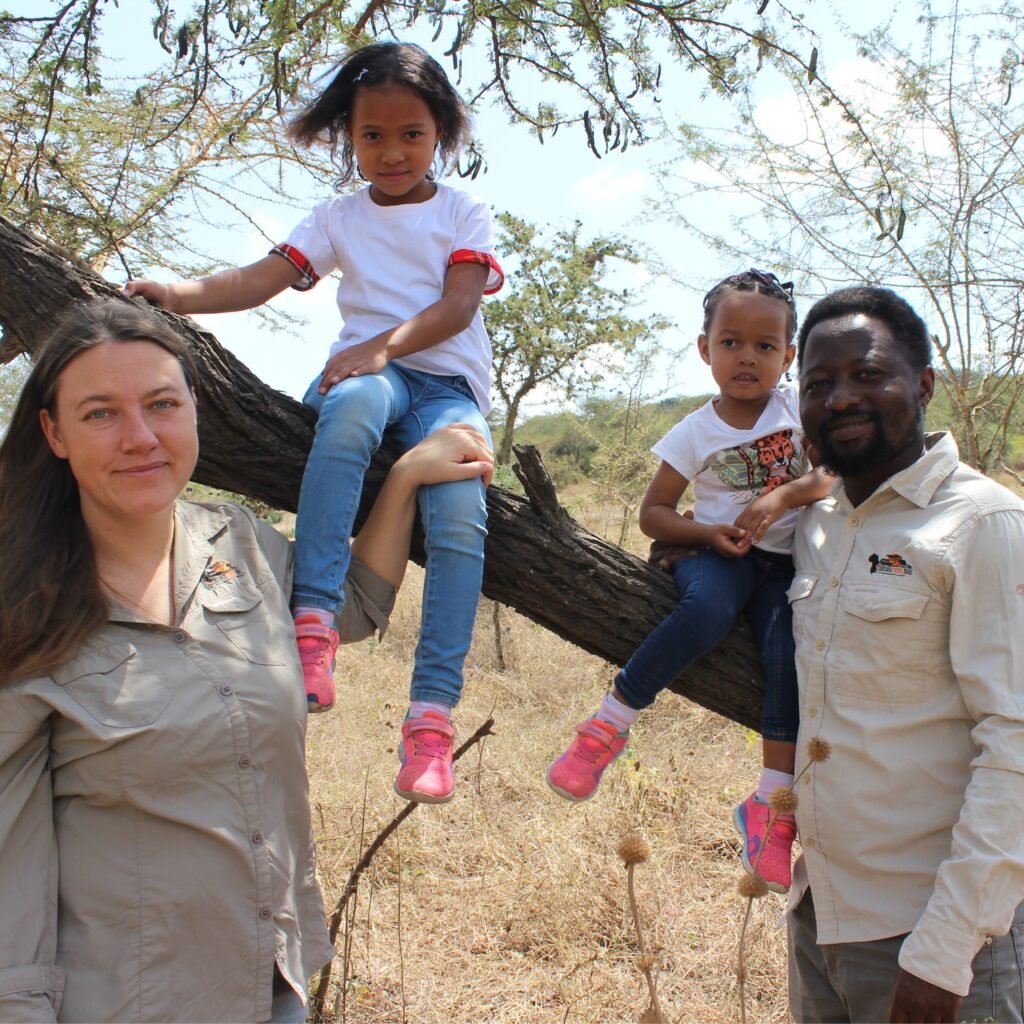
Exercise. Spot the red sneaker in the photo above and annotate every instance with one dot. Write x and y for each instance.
(577, 773)
(317, 644)
(751, 820)
(426, 775)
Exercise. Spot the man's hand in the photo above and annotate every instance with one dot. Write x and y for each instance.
(665, 553)
(915, 1001)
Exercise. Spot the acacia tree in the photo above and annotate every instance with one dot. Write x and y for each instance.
(105, 165)
(918, 188)
(561, 327)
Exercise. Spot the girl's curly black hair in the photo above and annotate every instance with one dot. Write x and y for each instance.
(327, 119)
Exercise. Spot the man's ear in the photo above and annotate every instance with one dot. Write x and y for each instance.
(926, 386)
(51, 431)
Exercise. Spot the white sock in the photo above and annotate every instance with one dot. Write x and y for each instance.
(770, 781)
(324, 615)
(614, 712)
(417, 708)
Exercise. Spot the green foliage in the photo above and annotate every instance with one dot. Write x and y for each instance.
(561, 326)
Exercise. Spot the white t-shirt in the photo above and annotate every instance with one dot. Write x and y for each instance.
(728, 468)
(393, 261)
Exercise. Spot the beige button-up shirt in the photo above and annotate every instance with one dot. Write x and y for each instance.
(908, 612)
(156, 858)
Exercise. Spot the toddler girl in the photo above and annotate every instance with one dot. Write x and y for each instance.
(744, 453)
(415, 258)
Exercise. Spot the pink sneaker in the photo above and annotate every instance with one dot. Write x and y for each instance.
(426, 752)
(577, 773)
(751, 820)
(317, 644)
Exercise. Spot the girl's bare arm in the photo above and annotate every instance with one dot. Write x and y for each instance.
(225, 292)
(463, 289)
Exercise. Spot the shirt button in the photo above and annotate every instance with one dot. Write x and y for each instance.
(180, 637)
(257, 838)
(854, 521)
(808, 842)
(820, 645)
(226, 691)
(265, 913)
(807, 780)
(812, 712)
(833, 582)
(244, 762)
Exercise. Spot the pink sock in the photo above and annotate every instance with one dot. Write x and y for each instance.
(417, 708)
(770, 781)
(323, 615)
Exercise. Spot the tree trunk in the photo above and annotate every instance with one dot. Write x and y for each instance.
(254, 440)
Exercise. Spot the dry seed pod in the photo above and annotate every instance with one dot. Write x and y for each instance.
(819, 750)
(752, 886)
(783, 800)
(634, 849)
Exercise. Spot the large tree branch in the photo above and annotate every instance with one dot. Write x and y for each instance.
(254, 440)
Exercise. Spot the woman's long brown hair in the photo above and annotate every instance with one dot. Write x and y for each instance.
(50, 594)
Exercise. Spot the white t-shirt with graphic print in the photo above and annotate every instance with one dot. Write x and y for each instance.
(393, 261)
(728, 468)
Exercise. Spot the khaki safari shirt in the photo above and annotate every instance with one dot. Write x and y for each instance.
(156, 858)
(908, 612)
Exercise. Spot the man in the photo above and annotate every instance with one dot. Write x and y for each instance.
(908, 607)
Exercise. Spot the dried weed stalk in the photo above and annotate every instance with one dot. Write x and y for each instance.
(633, 850)
(352, 885)
(753, 886)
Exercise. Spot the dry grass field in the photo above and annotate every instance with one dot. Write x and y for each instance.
(509, 905)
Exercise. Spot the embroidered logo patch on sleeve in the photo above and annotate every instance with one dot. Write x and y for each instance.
(893, 565)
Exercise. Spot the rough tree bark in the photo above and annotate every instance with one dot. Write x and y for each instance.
(254, 440)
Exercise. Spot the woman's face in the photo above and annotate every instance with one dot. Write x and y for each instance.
(126, 422)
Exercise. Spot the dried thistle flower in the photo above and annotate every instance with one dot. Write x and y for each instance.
(646, 962)
(783, 800)
(819, 750)
(634, 849)
(752, 886)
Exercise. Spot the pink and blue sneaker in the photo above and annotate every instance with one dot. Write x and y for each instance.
(426, 752)
(774, 866)
(317, 644)
(577, 773)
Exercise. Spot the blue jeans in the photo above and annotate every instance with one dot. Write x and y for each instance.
(713, 590)
(352, 418)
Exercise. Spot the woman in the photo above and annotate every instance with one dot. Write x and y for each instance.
(156, 860)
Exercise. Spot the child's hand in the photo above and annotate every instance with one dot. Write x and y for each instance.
(369, 357)
(455, 452)
(152, 291)
(761, 513)
(728, 540)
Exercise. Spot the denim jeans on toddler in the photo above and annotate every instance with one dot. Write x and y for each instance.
(713, 590)
(353, 416)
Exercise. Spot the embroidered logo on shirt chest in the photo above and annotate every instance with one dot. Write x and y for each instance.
(219, 572)
(892, 565)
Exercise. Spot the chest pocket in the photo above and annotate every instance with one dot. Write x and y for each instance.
(114, 687)
(880, 644)
(799, 590)
(239, 612)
